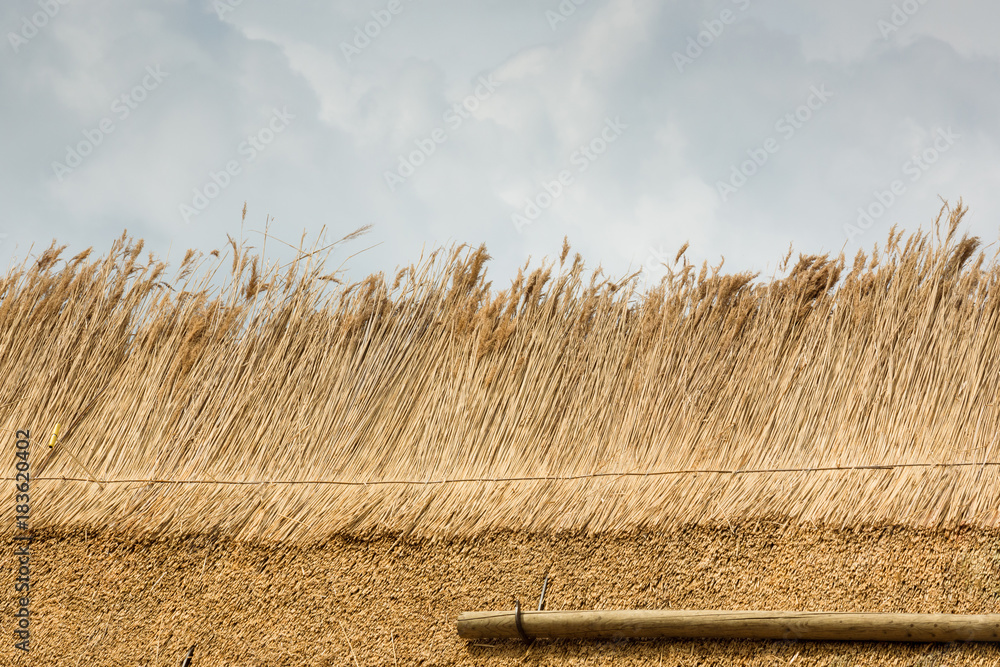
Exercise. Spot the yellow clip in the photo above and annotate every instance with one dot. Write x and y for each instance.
(55, 434)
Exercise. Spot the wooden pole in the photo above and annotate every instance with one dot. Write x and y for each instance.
(816, 625)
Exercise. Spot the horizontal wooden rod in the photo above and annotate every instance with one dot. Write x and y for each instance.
(808, 625)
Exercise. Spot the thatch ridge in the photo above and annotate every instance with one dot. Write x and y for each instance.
(869, 393)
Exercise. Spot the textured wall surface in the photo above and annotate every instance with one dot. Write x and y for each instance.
(393, 601)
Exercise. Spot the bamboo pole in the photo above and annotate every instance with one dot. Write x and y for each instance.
(604, 624)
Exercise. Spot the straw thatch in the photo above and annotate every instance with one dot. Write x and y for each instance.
(289, 406)
(104, 599)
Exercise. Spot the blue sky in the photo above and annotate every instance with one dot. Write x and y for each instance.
(740, 126)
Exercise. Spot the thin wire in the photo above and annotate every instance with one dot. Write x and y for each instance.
(543, 478)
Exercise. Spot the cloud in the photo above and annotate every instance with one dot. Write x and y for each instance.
(655, 186)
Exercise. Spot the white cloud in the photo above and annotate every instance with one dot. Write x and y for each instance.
(655, 186)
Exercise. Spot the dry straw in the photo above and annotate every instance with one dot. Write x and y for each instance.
(289, 406)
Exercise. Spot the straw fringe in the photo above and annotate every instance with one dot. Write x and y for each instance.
(860, 395)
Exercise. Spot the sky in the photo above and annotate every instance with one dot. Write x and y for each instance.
(629, 126)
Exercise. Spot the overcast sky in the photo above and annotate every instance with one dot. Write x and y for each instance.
(629, 126)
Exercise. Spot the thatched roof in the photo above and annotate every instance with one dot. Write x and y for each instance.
(292, 469)
(290, 407)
